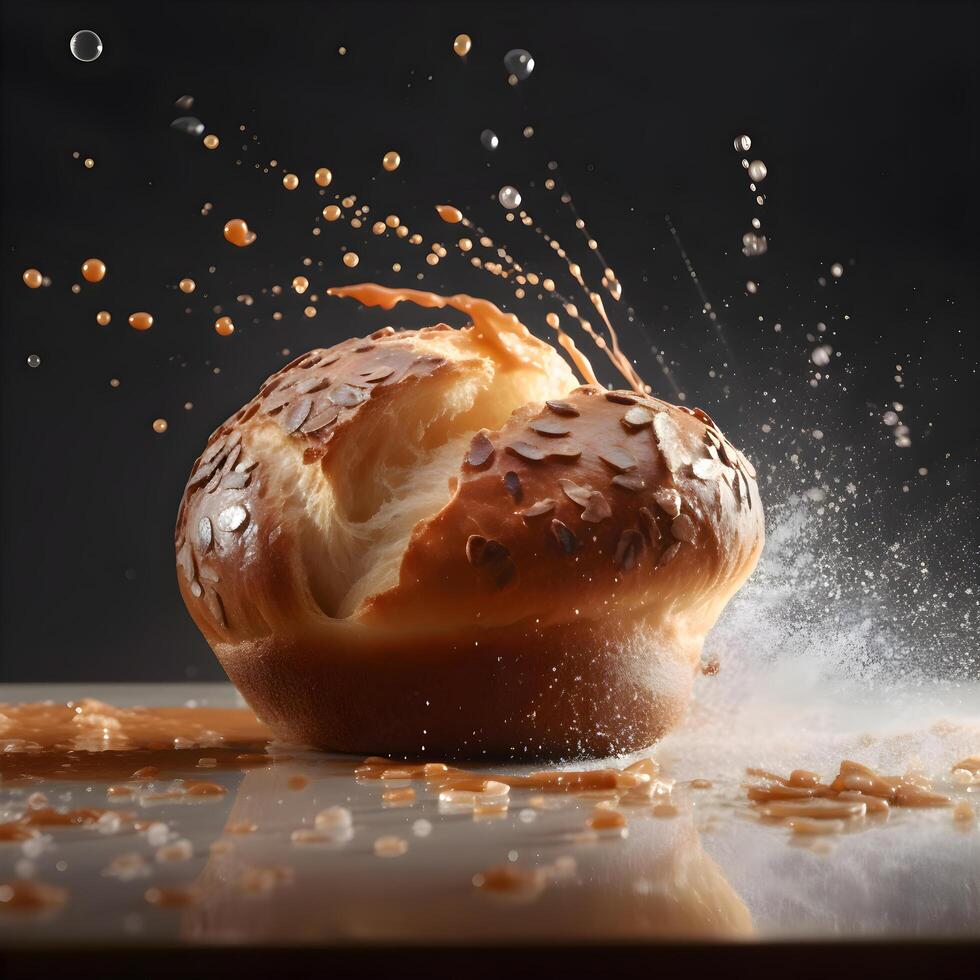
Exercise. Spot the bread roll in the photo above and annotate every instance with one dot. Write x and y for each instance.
(436, 543)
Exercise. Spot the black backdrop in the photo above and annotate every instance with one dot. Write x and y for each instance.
(865, 115)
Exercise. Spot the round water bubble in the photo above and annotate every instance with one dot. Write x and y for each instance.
(519, 63)
(85, 45)
(743, 144)
(33, 360)
(509, 197)
(190, 125)
(757, 171)
(489, 139)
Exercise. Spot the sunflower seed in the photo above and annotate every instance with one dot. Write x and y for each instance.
(629, 481)
(481, 450)
(512, 484)
(347, 396)
(215, 606)
(205, 534)
(235, 481)
(683, 529)
(617, 458)
(578, 494)
(541, 507)
(637, 417)
(232, 518)
(526, 451)
(598, 508)
(297, 415)
(707, 469)
(564, 452)
(320, 421)
(629, 549)
(562, 408)
(669, 501)
(620, 398)
(650, 525)
(549, 427)
(564, 536)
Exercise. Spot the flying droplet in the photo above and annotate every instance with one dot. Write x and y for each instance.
(185, 103)
(751, 287)
(190, 125)
(528, 132)
(140, 321)
(89, 163)
(519, 63)
(103, 318)
(85, 45)
(237, 232)
(837, 270)
(509, 197)
(757, 171)
(33, 361)
(310, 311)
(351, 259)
(489, 139)
(323, 177)
(462, 45)
(159, 425)
(223, 326)
(187, 285)
(449, 214)
(331, 212)
(290, 182)
(211, 141)
(32, 278)
(391, 160)
(743, 144)
(821, 355)
(93, 270)
(753, 244)
(301, 284)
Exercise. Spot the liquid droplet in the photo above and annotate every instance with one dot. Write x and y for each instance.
(237, 232)
(93, 270)
(223, 326)
(462, 45)
(323, 177)
(489, 139)
(821, 355)
(33, 361)
(140, 321)
(187, 285)
(743, 144)
(185, 103)
(290, 182)
(509, 197)
(190, 125)
(391, 160)
(757, 171)
(103, 318)
(449, 214)
(519, 63)
(85, 45)
(351, 259)
(159, 425)
(301, 284)
(753, 244)
(837, 270)
(211, 141)
(32, 278)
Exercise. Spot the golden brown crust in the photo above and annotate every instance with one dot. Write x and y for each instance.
(555, 606)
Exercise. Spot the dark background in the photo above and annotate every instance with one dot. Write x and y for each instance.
(865, 114)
